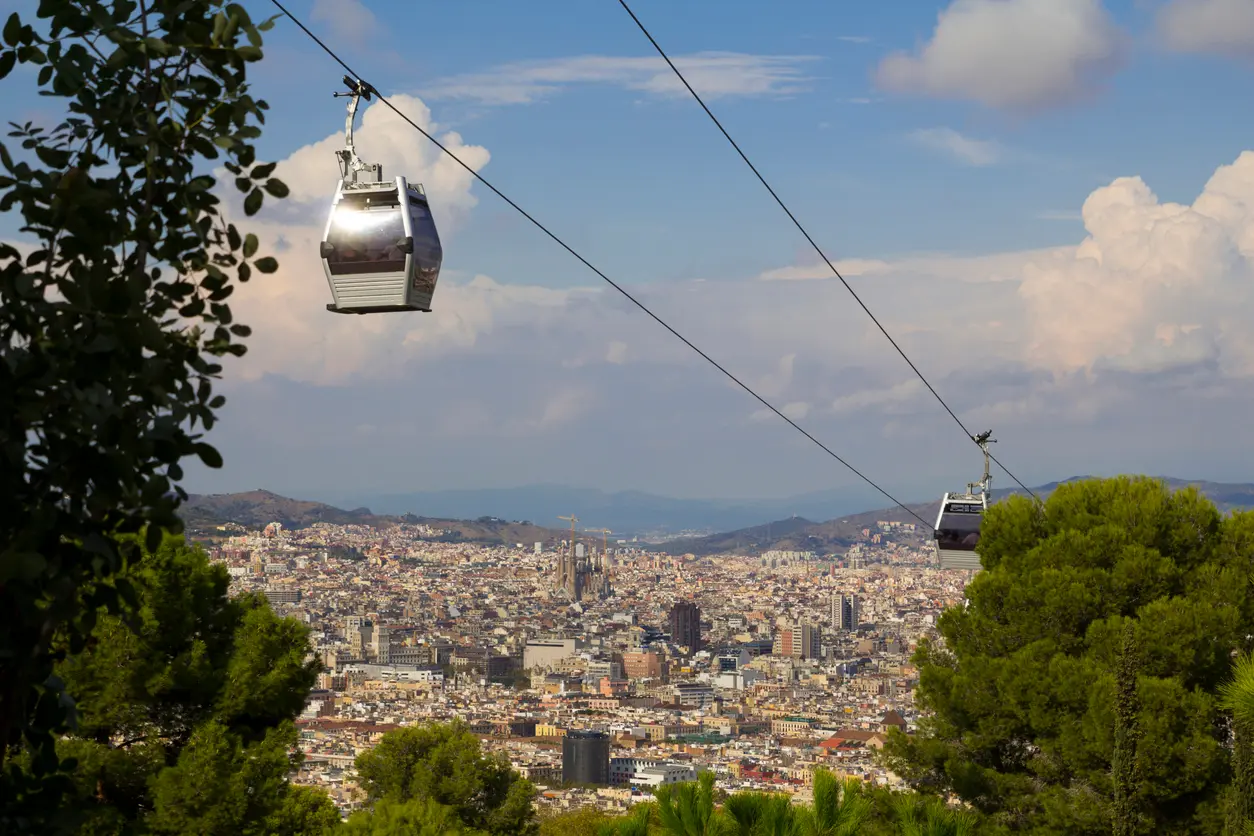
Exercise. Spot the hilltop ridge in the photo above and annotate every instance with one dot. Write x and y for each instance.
(259, 507)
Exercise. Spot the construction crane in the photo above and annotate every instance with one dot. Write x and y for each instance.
(605, 538)
(572, 519)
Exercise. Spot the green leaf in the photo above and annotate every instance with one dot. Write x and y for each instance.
(276, 188)
(22, 566)
(252, 203)
(233, 239)
(261, 172)
(209, 455)
(249, 53)
(250, 245)
(13, 30)
(266, 265)
(8, 59)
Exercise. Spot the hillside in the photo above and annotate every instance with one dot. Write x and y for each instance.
(256, 509)
(838, 534)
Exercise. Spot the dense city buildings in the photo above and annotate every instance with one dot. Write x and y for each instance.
(685, 624)
(606, 671)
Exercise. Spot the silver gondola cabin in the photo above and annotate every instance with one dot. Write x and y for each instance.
(958, 522)
(380, 251)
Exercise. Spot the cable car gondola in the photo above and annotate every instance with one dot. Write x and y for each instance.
(380, 251)
(958, 522)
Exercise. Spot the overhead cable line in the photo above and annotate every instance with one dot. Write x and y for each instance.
(593, 268)
(970, 436)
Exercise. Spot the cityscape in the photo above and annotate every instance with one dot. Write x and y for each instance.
(602, 669)
(627, 418)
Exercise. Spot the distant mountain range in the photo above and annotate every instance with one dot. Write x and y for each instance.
(255, 509)
(515, 511)
(837, 534)
(625, 513)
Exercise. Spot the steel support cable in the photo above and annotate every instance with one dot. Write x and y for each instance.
(817, 249)
(594, 269)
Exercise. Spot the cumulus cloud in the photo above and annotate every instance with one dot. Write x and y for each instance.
(1154, 284)
(1221, 27)
(1151, 307)
(1013, 54)
(712, 74)
(976, 152)
(349, 19)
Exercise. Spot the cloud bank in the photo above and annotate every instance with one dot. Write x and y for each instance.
(1011, 54)
(1222, 27)
(712, 74)
(1151, 306)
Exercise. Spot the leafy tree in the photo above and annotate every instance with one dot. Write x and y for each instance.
(1125, 810)
(760, 814)
(687, 809)
(585, 821)
(415, 817)
(1237, 697)
(639, 822)
(186, 709)
(917, 815)
(111, 325)
(442, 763)
(1021, 697)
(303, 811)
(839, 808)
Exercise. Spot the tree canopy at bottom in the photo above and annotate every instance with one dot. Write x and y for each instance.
(1098, 636)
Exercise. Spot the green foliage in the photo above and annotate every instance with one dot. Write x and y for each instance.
(1237, 697)
(415, 817)
(839, 809)
(585, 821)
(1126, 818)
(688, 809)
(1022, 696)
(639, 822)
(112, 324)
(443, 764)
(186, 707)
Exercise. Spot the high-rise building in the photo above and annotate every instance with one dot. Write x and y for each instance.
(800, 641)
(358, 631)
(586, 758)
(381, 644)
(685, 623)
(846, 612)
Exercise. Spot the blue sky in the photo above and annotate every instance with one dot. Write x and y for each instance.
(941, 152)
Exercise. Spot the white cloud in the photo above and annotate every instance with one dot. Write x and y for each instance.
(1155, 300)
(712, 74)
(1222, 27)
(976, 152)
(1154, 284)
(890, 396)
(1014, 54)
(349, 19)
